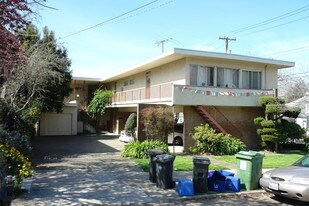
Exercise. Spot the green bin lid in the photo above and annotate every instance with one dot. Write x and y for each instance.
(249, 154)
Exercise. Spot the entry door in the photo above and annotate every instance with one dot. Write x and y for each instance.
(148, 81)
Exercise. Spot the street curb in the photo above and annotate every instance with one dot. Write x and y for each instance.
(225, 195)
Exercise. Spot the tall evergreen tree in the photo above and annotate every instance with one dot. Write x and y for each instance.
(42, 82)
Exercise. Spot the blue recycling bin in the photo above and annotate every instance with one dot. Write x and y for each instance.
(233, 184)
(185, 187)
(221, 181)
(217, 182)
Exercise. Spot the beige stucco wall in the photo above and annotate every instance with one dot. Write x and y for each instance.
(171, 72)
(271, 79)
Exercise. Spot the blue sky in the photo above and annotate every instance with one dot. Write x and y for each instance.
(196, 24)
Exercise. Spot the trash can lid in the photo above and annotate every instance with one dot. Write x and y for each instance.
(155, 152)
(250, 153)
(201, 160)
(165, 158)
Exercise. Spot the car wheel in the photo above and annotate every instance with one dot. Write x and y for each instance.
(178, 141)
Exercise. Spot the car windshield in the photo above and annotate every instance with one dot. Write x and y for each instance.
(303, 162)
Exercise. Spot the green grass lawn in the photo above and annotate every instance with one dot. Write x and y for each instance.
(181, 163)
(271, 160)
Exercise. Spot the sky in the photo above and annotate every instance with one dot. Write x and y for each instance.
(104, 37)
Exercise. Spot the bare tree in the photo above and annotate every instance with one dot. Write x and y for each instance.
(292, 86)
(28, 81)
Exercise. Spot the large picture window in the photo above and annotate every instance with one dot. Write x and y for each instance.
(251, 80)
(201, 75)
(228, 77)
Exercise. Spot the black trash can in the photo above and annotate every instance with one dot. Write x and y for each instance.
(200, 174)
(164, 166)
(152, 153)
(6, 190)
(2, 187)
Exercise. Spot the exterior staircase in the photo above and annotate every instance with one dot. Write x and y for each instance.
(210, 120)
(228, 127)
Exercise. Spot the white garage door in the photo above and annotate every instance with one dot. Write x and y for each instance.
(56, 124)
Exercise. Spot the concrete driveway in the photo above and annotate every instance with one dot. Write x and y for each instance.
(88, 170)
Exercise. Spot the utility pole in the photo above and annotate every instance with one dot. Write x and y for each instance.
(227, 42)
(162, 43)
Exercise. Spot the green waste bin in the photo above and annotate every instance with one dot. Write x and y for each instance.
(249, 168)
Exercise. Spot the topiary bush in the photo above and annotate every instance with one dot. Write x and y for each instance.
(131, 125)
(207, 140)
(140, 149)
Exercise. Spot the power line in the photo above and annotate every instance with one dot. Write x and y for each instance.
(268, 21)
(280, 25)
(109, 20)
(299, 49)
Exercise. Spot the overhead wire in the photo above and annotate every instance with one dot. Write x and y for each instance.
(295, 20)
(271, 20)
(290, 51)
(109, 20)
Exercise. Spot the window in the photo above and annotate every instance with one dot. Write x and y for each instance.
(227, 77)
(307, 109)
(126, 83)
(131, 81)
(251, 80)
(201, 75)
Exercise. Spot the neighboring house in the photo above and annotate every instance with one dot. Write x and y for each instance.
(303, 117)
(206, 87)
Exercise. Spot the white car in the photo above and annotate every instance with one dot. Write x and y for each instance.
(176, 137)
(124, 138)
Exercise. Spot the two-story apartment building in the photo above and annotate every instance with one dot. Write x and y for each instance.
(206, 87)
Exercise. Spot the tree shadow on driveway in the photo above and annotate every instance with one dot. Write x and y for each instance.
(48, 149)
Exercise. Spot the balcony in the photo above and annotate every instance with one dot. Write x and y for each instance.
(217, 96)
(190, 95)
(155, 94)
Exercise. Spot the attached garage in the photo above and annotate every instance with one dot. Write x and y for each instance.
(64, 123)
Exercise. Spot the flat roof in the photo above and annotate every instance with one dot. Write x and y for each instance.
(176, 54)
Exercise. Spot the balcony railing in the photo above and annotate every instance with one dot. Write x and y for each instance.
(191, 95)
(161, 92)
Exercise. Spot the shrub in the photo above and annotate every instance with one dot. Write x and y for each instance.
(16, 140)
(2, 161)
(208, 141)
(130, 125)
(16, 163)
(274, 109)
(140, 149)
(158, 122)
(270, 100)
